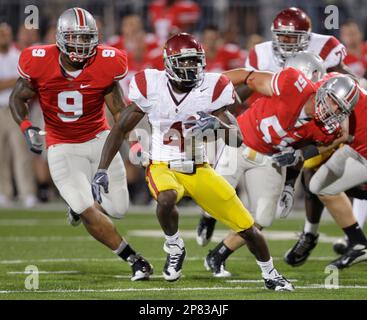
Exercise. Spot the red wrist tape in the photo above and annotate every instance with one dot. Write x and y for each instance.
(25, 124)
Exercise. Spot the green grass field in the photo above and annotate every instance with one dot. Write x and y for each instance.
(74, 266)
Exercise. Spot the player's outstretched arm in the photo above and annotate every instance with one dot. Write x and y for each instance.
(259, 81)
(130, 116)
(114, 100)
(229, 123)
(22, 92)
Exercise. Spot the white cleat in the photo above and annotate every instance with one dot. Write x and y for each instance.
(278, 283)
(172, 270)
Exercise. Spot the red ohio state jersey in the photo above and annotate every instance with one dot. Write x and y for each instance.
(272, 123)
(73, 108)
(358, 124)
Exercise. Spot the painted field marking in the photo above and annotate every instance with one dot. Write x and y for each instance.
(46, 272)
(61, 260)
(186, 234)
(122, 290)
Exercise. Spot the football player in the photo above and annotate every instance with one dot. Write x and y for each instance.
(292, 32)
(346, 168)
(73, 79)
(290, 116)
(181, 102)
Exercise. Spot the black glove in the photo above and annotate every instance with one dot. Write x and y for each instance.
(33, 136)
(288, 157)
(205, 122)
(100, 180)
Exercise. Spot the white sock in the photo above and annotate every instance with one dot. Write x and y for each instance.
(206, 215)
(267, 269)
(311, 228)
(360, 211)
(174, 239)
(121, 247)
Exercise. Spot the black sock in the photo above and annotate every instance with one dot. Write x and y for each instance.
(291, 176)
(355, 234)
(222, 251)
(127, 253)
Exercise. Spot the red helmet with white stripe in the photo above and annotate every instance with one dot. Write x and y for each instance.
(184, 60)
(77, 34)
(291, 30)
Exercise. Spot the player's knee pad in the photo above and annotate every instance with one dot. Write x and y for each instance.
(80, 204)
(315, 185)
(116, 209)
(265, 212)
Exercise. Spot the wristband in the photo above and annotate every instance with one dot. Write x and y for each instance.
(25, 124)
(310, 152)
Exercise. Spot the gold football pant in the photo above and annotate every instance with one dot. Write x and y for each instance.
(207, 188)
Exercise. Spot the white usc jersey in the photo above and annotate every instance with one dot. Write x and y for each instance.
(152, 92)
(262, 56)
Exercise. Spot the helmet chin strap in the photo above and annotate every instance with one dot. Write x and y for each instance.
(75, 58)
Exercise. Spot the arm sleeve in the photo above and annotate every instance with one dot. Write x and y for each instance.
(333, 53)
(24, 65)
(138, 92)
(223, 94)
(121, 66)
(293, 89)
(251, 61)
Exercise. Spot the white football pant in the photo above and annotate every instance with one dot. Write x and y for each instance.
(72, 168)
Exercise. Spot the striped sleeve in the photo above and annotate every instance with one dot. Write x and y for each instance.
(275, 83)
(120, 65)
(138, 91)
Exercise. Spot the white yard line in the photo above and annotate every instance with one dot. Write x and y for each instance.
(32, 222)
(220, 234)
(186, 234)
(151, 277)
(61, 260)
(122, 290)
(252, 281)
(45, 238)
(45, 272)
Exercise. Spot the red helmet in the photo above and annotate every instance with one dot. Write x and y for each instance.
(184, 60)
(294, 23)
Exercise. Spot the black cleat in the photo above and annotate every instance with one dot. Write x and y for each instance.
(214, 264)
(301, 250)
(141, 268)
(204, 230)
(340, 246)
(172, 269)
(279, 283)
(355, 254)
